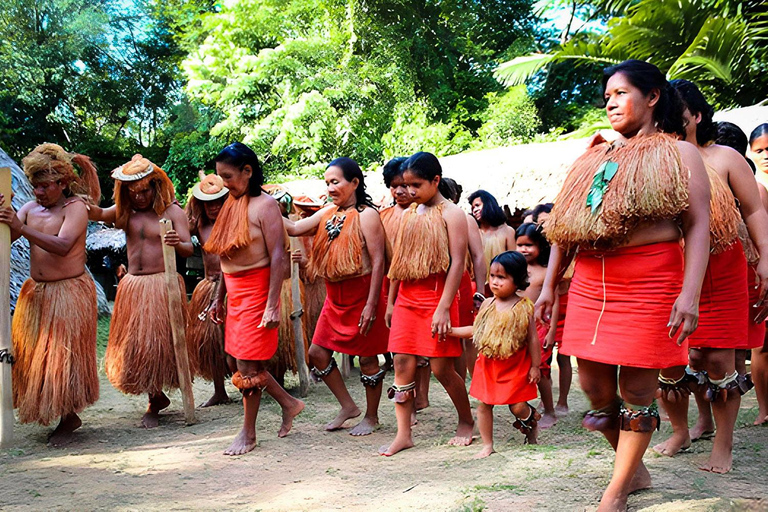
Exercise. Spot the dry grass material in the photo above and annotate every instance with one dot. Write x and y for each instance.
(421, 246)
(285, 357)
(342, 257)
(204, 334)
(51, 161)
(140, 357)
(651, 185)
(499, 334)
(724, 217)
(231, 231)
(750, 251)
(494, 243)
(54, 340)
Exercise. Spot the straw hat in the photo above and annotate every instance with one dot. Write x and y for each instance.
(138, 168)
(209, 188)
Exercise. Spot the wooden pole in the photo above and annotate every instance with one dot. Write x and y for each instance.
(177, 325)
(6, 345)
(296, 314)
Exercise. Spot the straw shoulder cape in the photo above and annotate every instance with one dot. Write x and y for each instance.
(337, 249)
(611, 189)
(499, 334)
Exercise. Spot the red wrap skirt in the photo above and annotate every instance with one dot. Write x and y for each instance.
(756, 335)
(561, 319)
(546, 353)
(247, 293)
(503, 381)
(619, 306)
(466, 304)
(724, 298)
(411, 331)
(338, 327)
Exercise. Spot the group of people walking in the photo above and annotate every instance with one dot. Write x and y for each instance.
(653, 246)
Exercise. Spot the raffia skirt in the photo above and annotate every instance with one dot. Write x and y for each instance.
(54, 342)
(207, 336)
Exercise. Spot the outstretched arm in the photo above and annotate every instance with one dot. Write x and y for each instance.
(304, 226)
(97, 213)
(274, 237)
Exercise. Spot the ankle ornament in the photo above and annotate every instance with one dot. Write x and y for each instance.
(402, 394)
(639, 419)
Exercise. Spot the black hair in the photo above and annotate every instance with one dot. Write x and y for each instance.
(536, 234)
(539, 209)
(424, 165)
(697, 104)
(393, 169)
(729, 134)
(491, 212)
(239, 155)
(668, 112)
(515, 266)
(351, 170)
(450, 189)
(758, 132)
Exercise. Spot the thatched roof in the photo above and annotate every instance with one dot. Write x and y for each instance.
(102, 238)
(22, 191)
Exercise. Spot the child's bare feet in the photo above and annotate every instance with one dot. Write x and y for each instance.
(612, 501)
(398, 445)
(62, 436)
(702, 430)
(720, 461)
(243, 443)
(532, 437)
(548, 420)
(641, 480)
(157, 403)
(288, 415)
(485, 452)
(561, 410)
(344, 415)
(366, 427)
(217, 399)
(463, 435)
(761, 419)
(677, 443)
(421, 403)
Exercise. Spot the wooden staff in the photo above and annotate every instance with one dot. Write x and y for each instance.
(177, 325)
(6, 345)
(296, 314)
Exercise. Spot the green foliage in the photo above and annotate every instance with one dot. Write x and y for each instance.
(511, 118)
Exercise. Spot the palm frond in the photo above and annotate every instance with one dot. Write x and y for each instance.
(520, 69)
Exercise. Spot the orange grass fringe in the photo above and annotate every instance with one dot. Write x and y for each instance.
(724, 217)
(750, 251)
(140, 357)
(231, 231)
(342, 257)
(651, 185)
(493, 245)
(499, 334)
(54, 341)
(165, 195)
(206, 336)
(421, 246)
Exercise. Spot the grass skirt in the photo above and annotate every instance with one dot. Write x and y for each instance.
(205, 335)
(140, 357)
(54, 341)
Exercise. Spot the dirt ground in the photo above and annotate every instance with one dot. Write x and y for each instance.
(115, 465)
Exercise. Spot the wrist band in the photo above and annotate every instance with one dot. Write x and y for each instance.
(478, 296)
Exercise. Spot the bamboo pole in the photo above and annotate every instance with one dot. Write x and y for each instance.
(175, 310)
(6, 345)
(296, 314)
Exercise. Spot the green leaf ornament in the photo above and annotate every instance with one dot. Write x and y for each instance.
(604, 174)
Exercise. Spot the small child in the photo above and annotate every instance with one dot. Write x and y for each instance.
(534, 246)
(509, 354)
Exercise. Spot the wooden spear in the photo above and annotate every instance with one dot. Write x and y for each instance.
(6, 345)
(296, 314)
(175, 310)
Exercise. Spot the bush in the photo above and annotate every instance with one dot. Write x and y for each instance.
(511, 118)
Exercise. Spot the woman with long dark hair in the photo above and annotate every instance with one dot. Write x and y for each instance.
(633, 299)
(498, 237)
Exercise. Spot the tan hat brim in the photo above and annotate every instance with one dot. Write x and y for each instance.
(199, 194)
(118, 174)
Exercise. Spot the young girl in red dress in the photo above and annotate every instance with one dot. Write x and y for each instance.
(509, 354)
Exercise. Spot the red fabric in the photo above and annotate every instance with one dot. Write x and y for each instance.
(640, 287)
(546, 353)
(466, 304)
(338, 326)
(561, 319)
(503, 381)
(247, 293)
(724, 299)
(411, 331)
(756, 335)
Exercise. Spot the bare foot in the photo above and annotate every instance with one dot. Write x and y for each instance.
(463, 435)
(243, 443)
(485, 452)
(344, 415)
(397, 445)
(414, 421)
(217, 399)
(673, 445)
(62, 436)
(288, 415)
(365, 427)
(720, 461)
(612, 501)
(561, 410)
(421, 404)
(157, 403)
(548, 420)
(761, 419)
(702, 430)
(532, 437)
(641, 480)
